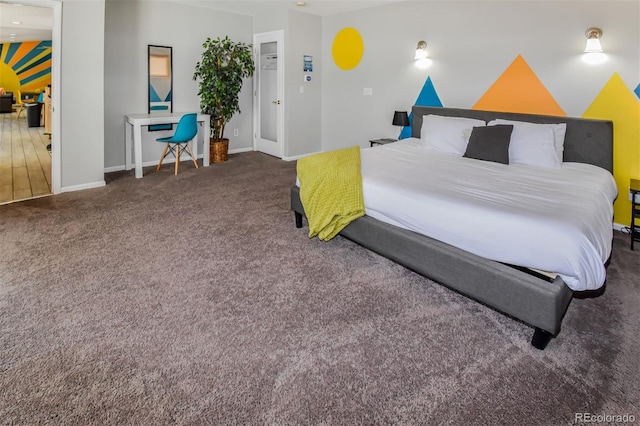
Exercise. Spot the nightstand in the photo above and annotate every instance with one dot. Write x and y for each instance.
(634, 188)
(382, 141)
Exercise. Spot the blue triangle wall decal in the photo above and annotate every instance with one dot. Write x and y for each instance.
(427, 97)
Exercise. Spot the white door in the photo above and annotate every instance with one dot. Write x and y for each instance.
(268, 84)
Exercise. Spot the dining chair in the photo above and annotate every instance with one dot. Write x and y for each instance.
(187, 129)
(21, 103)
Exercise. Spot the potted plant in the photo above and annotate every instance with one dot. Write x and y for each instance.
(221, 71)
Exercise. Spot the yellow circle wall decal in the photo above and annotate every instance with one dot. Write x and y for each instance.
(347, 49)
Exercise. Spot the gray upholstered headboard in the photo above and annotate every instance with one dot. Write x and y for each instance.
(586, 141)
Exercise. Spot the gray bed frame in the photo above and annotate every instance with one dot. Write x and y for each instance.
(533, 300)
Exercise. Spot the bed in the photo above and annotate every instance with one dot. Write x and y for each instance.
(535, 297)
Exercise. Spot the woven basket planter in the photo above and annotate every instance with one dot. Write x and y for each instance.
(218, 150)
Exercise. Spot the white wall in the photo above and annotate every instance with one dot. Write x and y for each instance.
(273, 20)
(82, 95)
(471, 43)
(303, 110)
(130, 27)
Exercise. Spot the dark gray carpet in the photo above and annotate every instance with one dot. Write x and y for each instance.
(192, 299)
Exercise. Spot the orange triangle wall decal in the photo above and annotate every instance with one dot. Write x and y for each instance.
(518, 89)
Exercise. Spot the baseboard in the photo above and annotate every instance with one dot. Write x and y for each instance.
(619, 227)
(83, 186)
(297, 157)
(239, 150)
(170, 160)
(114, 169)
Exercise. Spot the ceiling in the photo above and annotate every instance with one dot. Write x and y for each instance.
(261, 7)
(36, 22)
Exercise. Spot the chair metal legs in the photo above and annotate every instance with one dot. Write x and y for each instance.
(175, 150)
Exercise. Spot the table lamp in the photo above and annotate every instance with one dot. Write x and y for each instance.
(400, 118)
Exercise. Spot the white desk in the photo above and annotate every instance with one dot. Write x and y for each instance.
(136, 121)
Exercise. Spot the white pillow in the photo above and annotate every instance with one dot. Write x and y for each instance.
(559, 131)
(531, 144)
(447, 134)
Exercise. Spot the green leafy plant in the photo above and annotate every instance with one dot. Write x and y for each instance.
(221, 71)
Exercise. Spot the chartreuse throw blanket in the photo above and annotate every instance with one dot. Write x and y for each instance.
(331, 190)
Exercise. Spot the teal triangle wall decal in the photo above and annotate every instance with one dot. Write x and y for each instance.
(427, 97)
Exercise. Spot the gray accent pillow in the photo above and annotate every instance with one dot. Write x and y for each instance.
(490, 143)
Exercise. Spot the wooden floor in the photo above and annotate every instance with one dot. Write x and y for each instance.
(25, 163)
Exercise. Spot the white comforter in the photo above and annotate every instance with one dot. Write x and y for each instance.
(556, 220)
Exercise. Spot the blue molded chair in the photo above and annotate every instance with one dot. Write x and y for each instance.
(187, 129)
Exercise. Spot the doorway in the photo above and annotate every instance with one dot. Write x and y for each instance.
(39, 152)
(268, 83)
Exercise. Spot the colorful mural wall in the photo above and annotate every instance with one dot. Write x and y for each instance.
(26, 66)
(518, 89)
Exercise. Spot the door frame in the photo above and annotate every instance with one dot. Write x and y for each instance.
(56, 61)
(278, 37)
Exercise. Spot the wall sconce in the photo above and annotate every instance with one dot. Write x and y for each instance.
(422, 61)
(593, 53)
(421, 50)
(400, 118)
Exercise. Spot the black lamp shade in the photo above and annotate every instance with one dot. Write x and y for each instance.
(400, 118)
